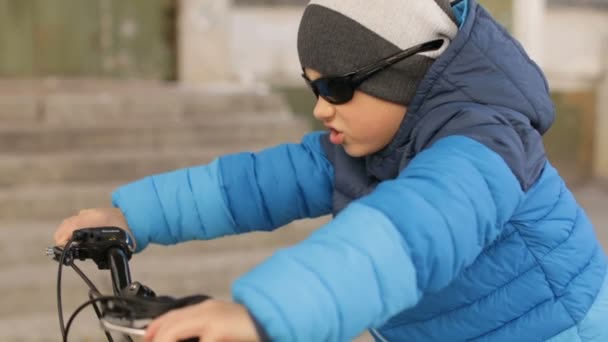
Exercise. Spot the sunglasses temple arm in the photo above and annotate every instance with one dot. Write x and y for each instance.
(368, 71)
(365, 73)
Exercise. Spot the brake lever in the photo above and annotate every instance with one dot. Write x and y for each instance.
(133, 317)
(110, 326)
(147, 308)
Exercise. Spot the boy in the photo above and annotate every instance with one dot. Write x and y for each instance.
(449, 225)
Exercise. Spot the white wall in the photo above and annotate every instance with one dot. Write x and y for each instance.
(575, 43)
(203, 29)
(528, 26)
(263, 44)
(222, 43)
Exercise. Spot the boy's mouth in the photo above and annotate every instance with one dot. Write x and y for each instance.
(335, 137)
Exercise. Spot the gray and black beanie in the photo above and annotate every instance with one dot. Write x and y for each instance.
(339, 36)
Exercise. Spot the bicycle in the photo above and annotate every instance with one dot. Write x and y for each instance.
(133, 305)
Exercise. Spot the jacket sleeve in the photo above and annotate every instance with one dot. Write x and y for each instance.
(233, 194)
(380, 254)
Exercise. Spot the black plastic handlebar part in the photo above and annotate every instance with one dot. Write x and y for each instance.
(119, 268)
(133, 304)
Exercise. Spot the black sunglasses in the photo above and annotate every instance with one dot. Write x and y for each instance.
(339, 89)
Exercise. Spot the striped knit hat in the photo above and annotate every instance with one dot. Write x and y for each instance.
(339, 36)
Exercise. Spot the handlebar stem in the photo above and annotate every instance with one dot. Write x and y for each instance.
(119, 268)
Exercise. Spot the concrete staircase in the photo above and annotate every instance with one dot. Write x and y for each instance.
(66, 146)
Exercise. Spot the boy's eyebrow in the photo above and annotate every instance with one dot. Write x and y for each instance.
(308, 76)
(304, 72)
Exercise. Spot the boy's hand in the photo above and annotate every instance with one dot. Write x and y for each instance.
(210, 321)
(90, 218)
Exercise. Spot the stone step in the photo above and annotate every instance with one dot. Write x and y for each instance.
(237, 132)
(52, 202)
(98, 103)
(104, 166)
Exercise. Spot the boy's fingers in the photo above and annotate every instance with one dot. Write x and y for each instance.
(153, 327)
(180, 331)
(66, 228)
(181, 327)
(86, 218)
(62, 232)
(60, 241)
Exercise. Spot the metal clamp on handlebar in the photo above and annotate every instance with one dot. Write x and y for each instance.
(95, 244)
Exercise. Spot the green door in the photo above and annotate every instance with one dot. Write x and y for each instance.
(87, 38)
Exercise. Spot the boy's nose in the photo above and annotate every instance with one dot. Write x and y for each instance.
(323, 110)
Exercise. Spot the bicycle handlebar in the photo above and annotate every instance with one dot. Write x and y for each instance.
(133, 305)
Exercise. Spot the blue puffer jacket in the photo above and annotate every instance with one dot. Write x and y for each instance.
(458, 230)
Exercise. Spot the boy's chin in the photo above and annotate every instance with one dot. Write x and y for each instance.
(357, 151)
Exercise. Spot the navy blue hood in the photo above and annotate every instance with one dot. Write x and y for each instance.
(486, 65)
(484, 86)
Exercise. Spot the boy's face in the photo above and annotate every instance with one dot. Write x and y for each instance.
(364, 125)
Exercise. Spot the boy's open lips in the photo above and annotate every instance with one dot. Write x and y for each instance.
(335, 137)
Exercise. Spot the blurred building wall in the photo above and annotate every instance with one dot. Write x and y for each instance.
(265, 44)
(575, 47)
(601, 142)
(203, 41)
(575, 59)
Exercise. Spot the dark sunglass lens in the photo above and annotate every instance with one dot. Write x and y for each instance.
(311, 85)
(337, 90)
(320, 87)
(314, 89)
